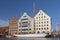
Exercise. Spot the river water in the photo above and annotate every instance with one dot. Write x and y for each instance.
(29, 38)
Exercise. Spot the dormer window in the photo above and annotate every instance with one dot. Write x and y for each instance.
(24, 16)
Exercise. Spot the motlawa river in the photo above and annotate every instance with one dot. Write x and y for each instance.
(29, 38)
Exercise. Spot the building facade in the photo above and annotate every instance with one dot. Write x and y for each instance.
(13, 26)
(42, 23)
(25, 24)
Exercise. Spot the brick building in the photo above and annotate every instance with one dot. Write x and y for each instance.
(13, 26)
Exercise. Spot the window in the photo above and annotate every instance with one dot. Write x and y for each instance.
(47, 31)
(15, 24)
(25, 19)
(42, 28)
(34, 23)
(43, 32)
(38, 32)
(36, 17)
(44, 16)
(25, 26)
(39, 17)
(19, 29)
(42, 25)
(19, 26)
(47, 28)
(24, 16)
(44, 22)
(47, 24)
(47, 18)
(39, 25)
(24, 22)
(29, 29)
(19, 23)
(34, 28)
(24, 29)
(39, 22)
(39, 28)
(39, 14)
(47, 21)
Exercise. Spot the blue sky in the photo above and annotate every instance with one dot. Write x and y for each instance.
(10, 8)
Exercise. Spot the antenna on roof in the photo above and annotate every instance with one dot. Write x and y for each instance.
(34, 10)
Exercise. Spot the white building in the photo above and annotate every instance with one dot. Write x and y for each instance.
(25, 24)
(42, 23)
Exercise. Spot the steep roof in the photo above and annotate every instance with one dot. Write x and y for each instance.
(25, 14)
(40, 12)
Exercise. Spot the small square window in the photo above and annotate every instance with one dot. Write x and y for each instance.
(44, 25)
(39, 17)
(36, 25)
(47, 24)
(44, 22)
(39, 28)
(24, 16)
(19, 29)
(47, 21)
(44, 16)
(42, 28)
(39, 25)
(47, 28)
(39, 14)
(19, 26)
(39, 22)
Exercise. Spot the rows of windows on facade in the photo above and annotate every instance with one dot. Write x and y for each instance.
(40, 23)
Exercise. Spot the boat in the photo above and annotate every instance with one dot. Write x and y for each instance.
(8, 36)
(30, 35)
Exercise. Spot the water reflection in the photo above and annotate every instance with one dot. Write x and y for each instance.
(30, 39)
(34, 38)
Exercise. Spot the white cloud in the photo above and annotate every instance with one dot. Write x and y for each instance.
(4, 23)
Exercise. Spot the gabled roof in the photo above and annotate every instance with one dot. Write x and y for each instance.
(25, 14)
(41, 12)
(14, 18)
